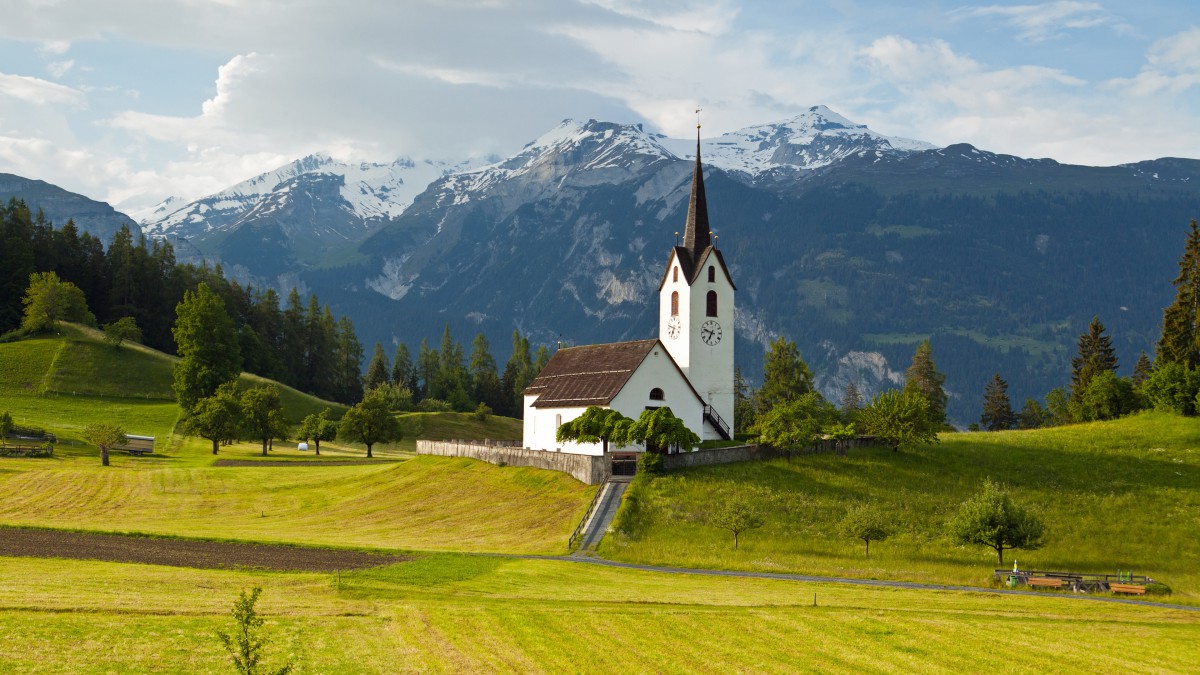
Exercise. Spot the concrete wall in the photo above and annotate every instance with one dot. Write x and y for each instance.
(749, 453)
(587, 469)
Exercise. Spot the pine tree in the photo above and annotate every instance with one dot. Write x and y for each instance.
(1096, 354)
(785, 375)
(377, 370)
(404, 374)
(486, 382)
(348, 356)
(997, 411)
(1141, 371)
(514, 380)
(851, 400)
(923, 378)
(1180, 341)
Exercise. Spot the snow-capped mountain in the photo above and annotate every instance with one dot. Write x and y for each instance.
(813, 139)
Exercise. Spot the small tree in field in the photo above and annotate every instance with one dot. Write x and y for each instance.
(217, 417)
(124, 329)
(866, 522)
(990, 518)
(105, 436)
(793, 425)
(595, 425)
(737, 510)
(370, 422)
(247, 643)
(317, 428)
(262, 415)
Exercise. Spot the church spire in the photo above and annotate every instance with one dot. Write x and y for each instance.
(696, 236)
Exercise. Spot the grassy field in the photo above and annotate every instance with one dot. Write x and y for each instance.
(468, 614)
(1115, 495)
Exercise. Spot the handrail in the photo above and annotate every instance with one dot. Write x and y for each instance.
(721, 424)
(587, 514)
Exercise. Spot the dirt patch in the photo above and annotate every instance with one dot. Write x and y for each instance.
(299, 462)
(15, 541)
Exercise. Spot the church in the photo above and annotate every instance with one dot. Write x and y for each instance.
(688, 368)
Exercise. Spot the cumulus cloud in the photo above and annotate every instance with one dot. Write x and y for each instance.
(1045, 21)
(1172, 66)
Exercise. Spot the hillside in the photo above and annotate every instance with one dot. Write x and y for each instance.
(1122, 494)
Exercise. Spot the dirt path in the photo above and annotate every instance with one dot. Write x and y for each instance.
(23, 542)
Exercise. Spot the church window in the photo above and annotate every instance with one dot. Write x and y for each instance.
(675, 274)
(712, 303)
(675, 303)
(657, 394)
(557, 421)
(712, 274)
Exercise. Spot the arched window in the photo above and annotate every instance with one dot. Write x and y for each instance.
(712, 303)
(712, 274)
(675, 303)
(675, 274)
(657, 394)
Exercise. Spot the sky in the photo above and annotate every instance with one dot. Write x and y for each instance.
(131, 101)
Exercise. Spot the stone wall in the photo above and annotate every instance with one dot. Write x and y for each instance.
(749, 453)
(589, 469)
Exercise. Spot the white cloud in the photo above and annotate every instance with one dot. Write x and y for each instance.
(1047, 20)
(1172, 67)
(60, 68)
(42, 92)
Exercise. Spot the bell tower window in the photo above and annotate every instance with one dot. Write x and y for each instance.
(675, 274)
(712, 274)
(675, 303)
(712, 304)
(657, 394)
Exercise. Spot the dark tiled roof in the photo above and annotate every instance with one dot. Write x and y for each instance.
(692, 269)
(696, 234)
(591, 375)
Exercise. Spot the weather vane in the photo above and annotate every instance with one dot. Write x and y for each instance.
(698, 109)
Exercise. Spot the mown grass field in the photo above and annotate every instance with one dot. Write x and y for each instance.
(469, 614)
(1115, 495)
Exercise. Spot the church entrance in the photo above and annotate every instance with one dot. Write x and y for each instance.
(624, 463)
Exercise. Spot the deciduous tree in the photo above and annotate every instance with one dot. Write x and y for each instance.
(595, 425)
(317, 427)
(217, 417)
(793, 425)
(990, 518)
(370, 422)
(104, 435)
(122, 330)
(246, 646)
(207, 343)
(659, 429)
(867, 522)
(898, 418)
(49, 299)
(262, 415)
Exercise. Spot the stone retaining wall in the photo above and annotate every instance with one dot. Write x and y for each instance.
(749, 453)
(589, 469)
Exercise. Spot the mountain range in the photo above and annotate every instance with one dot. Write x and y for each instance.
(854, 244)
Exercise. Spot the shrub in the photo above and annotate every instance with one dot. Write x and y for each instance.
(1172, 387)
(482, 412)
(434, 405)
(650, 463)
(1157, 588)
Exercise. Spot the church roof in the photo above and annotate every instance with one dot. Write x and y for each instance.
(696, 234)
(589, 375)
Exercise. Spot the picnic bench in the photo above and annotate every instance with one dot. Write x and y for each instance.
(1132, 589)
(1121, 582)
(1046, 582)
(26, 450)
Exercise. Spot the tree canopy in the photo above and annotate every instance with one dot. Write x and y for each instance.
(370, 422)
(923, 378)
(1096, 355)
(262, 415)
(1180, 340)
(899, 418)
(866, 522)
(207, 343)
(990, 518)
(794, 425)
(49, 300)
(785, 375)
(104, 435)
(317, 427)
(997, 409)
(217, 417)
(595, 425)
(659, 429)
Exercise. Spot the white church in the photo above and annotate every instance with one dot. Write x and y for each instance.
(688, 369)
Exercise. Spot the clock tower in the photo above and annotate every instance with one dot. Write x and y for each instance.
(696, 312)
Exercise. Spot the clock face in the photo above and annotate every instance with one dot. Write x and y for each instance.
(710, 332)
(674, 327)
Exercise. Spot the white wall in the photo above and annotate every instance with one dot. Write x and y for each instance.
(541, 425)
(658, 371)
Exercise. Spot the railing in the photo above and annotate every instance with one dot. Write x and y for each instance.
(720, 424)
(587, 514)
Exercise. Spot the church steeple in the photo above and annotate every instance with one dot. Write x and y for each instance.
(696, 236)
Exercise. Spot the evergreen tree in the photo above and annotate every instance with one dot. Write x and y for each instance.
(743, 403)
(1141, 371)
(997, 410)
(404, 373)
(1180, 341)
(1096, 355)
(516, 377)
(923, 377)
(1032, 415)
(377, 370)
(430, 365)
(785, 375)
(207, 344)
(486, 382)
(348, 357)
(851, 401)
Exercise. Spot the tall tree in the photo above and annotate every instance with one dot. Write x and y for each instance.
(404, 373)
(743, 402)
(49, 300)
(262, 415)
(997, 410)
(217, 417)
(851, 401)
(484, 379)
(516, 377)
(923, 377)
(1141, 371)
(377, 370)
(785, 375)
(370, 422)
(206, 341)
(348, 356)
(1096, 355)
(1180, 341)
(430, 365)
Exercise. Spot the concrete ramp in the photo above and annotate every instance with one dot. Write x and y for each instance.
(602, 516)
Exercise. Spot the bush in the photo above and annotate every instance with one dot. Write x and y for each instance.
(482, 412)
(650, 463)
(1172, 387)
(1157, 588)
(434, 405)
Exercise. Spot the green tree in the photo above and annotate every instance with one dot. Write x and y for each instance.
(785, 375)
(743, 403)
(923, 378)
(997, 410)
(659, 429)
(595, 425)
(317, 427)
(370, 422)
(6, 426)
(378, 370)
(898, 418)
(1172, 386)
(1105, 397)
(793, 425)
(104, 435)
(1180, 340)
(484, 379)
(1096, 355)
(1141, 371)
(841, 434)
(1032, 415)
(517, 375)
(247, 644)
(217, 417)
(49, 299)
(1058, 407)
(866, 522)
(207, 343)
(737, 509)
(262, 415)
(990, 518)
(851, 401)
(398, 397)
(404, 373)
(122, 330)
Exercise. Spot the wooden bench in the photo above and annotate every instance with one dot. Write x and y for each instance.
(1046, 582)
(1132, 589)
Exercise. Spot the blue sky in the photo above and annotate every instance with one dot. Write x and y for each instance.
(130, 101)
